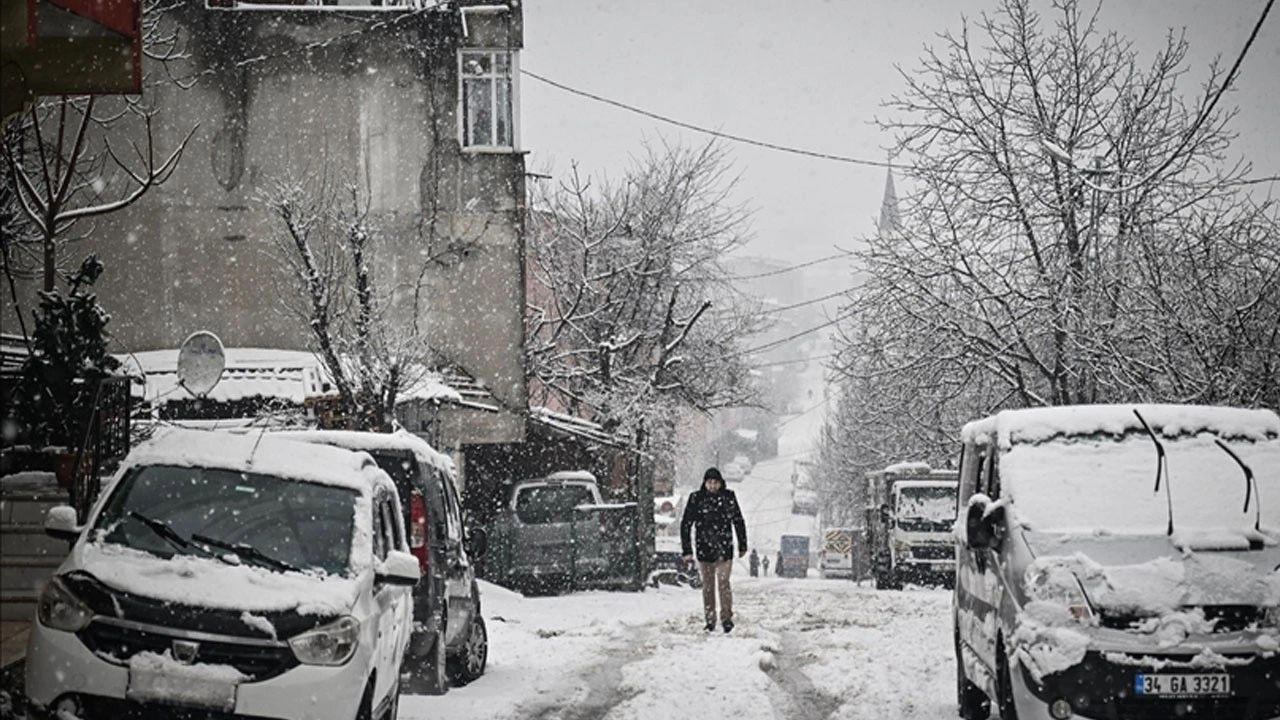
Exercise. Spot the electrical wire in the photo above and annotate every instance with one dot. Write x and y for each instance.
(790, 268)
(804, 303)
(709, 131)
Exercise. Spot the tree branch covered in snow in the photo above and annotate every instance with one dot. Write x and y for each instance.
(70, 158)
(1126, 264)
(630, 316)
(364, 328)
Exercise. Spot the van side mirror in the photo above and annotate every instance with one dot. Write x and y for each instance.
(885, 515)
(981, 526)
(60, 523)
(477, 543)
(400, 568)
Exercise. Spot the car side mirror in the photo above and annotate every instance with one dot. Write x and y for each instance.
(400, 568)
(60, 523)
(982, 524)
(885, 516)
(477, 543)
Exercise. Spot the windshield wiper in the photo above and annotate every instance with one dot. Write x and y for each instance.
(1162, 465)
(1250, 486)
(166, 532)
(246, 551)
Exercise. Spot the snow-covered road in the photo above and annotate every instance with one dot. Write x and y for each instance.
(803, 649)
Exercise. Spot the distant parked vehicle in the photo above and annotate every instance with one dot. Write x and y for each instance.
(836, 558)
(669, 565)
(911, 509)
(733, 472)
(545, 545)
(222, 575)
(794, 556)
(804, 502)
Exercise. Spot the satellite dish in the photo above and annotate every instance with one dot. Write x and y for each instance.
(201, 361)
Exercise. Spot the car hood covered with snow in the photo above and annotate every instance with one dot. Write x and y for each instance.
(200, 582)
(1148, 576)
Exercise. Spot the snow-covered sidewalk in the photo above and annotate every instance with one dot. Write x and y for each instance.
(802, 649)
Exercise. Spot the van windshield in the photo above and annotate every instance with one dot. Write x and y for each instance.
(541, 504)
(1105, 484)
(926, 509)
(305, 525)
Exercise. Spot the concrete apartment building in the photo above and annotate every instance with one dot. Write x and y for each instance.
(413, 106)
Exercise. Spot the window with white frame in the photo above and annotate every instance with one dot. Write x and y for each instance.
(487, 98)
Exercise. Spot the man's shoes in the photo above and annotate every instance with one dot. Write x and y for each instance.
(728, 625)
(711, 626)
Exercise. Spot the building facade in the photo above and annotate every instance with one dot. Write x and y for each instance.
(407, 114)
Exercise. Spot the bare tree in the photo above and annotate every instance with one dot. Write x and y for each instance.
(1065, 201)
(363, 328)
(71, 158)
(1076, 232)
(631, 317)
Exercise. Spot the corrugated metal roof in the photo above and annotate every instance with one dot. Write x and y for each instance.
(292, 375)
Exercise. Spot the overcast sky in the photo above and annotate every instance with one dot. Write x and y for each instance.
(812, 75)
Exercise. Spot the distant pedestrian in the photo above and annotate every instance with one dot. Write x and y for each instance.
(764, 565)
(777, 568)
(713, 513)
(753, 563)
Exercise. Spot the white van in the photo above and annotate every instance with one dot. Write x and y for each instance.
(1119, 561)
(225, 574)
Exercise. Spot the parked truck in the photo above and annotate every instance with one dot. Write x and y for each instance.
(836, 557)
(793, 556)
(911, 509)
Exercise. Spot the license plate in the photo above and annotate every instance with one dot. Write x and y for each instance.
(148, 685)
(1189, 685)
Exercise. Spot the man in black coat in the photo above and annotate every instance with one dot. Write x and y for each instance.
(714, 512)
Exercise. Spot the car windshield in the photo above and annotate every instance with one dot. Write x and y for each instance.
(926, 509)
(299, 524)
(540, 504)
(1088, 485)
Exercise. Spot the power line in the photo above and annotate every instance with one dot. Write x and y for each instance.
(709, 131)
(793, 361)
(882, 163)
(760, 348)
(804, 303)
(791, 268)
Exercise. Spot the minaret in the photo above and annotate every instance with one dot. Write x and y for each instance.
(890, 219)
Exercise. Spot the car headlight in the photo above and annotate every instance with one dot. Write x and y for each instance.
(1059, 585)
(331, 644)
(60, 609)
(1271, 617)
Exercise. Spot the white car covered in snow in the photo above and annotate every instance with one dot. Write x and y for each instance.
(1119, 561)
(228, 574)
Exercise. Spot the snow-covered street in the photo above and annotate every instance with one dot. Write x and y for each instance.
(802, 648)
(807, 648)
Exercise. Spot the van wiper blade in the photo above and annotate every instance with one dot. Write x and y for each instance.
(1162, 465)
(247, 551)
(166, 531)
(1250, 485)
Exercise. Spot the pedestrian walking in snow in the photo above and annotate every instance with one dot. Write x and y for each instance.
(764, 565)
(712, 515)
(753, 563)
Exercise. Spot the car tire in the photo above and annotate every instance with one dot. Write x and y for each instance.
(1004, 685)
(972, 702)
(365, 711)
(393, 708)
(427, 672)
(469, 662)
